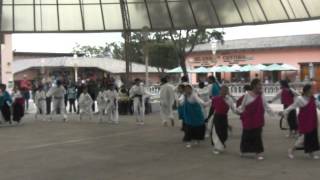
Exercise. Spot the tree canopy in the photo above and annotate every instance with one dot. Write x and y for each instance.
(166, 49)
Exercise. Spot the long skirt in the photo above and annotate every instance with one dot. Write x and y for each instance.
(18, 112)
(251, 141)
(308, 142)
(6, 113)
(292, 120)
(194, 132)
(220, 123)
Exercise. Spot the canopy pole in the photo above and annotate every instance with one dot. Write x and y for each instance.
(127, 38)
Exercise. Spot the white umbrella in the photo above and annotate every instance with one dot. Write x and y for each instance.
(247, 68)
(200, 70)
(235, 68)
(176, 70)
(274, 67)
(289, 67)
(223, 69)
(259, 67)
(214, 69)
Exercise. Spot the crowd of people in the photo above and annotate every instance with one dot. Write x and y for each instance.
(203, 111)
(196, 106)
(85, 98)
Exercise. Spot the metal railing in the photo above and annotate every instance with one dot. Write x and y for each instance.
(236, 89)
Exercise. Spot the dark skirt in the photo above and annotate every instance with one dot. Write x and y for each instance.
(251, 141)
(6, 113)
(220, 122)
(194, 132)
(292, 120)
(18, 112)
(311, 141)
(124, 107)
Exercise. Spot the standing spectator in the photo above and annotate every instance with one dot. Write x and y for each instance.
(25, 86)
(80, 88)
(57, 93)
(48, 99)
(65, 85)
(123, 101)
(40, 101)
(5, 103)
(167, 98)
(93, 91)
(72, 95)
(18, 105)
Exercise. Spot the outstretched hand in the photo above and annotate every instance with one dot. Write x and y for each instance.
(281, 113)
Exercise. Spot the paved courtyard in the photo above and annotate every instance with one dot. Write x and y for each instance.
(38, 150)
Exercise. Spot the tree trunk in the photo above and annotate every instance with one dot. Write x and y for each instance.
(182, 62)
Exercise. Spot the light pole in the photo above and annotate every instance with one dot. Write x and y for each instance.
(75, 72)
(145, 33)
(42, 70)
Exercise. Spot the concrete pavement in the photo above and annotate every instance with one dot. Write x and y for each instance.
(88, 150)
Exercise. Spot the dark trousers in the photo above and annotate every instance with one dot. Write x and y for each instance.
(48, 103)
(72, 104)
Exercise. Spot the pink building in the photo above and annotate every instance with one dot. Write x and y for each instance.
(301, 51)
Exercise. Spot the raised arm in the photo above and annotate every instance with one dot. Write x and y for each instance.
(231, 104)
(243, 104)
(200, 101)
(267, 107)
(294, 92)
(299, 102)
(277, 96)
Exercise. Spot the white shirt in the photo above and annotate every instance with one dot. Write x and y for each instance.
(40, 96)
(278, 95)
(167, 95)
(229, 100)
(300, 102)
(85, 100)
(137, 90)
(194, 98)
(249, 98)
(102, 98)
(57, 92)
(203, 93)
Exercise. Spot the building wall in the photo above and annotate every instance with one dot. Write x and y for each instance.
(6, 61)
(292, 56)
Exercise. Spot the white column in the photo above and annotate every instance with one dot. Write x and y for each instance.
(6, 61)
(75, 74)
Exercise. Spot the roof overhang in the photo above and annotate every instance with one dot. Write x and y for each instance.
(51, 16)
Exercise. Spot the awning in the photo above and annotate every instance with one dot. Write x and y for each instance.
(121, 15)
(200, 70)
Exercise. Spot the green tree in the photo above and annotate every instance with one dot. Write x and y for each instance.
(182, 41)
(185, 41)
(92, 51)
(163, 56)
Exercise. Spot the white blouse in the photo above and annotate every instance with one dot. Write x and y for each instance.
(278, 95)
(249, 98)
(301, 101)
(194, 98)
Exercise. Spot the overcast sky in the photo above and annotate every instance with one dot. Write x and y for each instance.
(65, 42)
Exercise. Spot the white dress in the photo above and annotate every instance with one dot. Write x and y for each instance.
(167, 98)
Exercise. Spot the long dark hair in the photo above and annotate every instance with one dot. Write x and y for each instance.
(306, 88)
(254, 83)
(285, 84)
